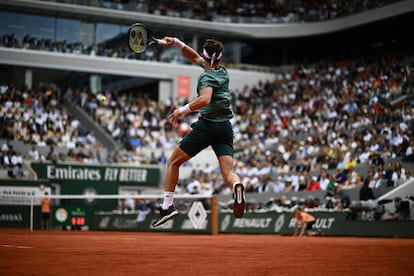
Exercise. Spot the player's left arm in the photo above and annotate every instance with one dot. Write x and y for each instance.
(203, 99)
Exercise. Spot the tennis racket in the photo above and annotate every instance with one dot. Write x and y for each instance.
(139, 39)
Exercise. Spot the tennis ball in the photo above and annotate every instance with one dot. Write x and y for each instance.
(103, 99)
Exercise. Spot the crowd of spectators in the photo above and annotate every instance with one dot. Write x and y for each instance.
(38, 117)
(309, 129)
(157, 54)
(37, 43)
(328, 117)
(12, 161)
(243, 11)
(46, 44)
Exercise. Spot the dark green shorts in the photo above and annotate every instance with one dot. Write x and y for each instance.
(218, 135)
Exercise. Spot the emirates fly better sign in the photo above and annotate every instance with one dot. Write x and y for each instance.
(148, 175)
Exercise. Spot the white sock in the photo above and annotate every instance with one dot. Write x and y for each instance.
(168, 200)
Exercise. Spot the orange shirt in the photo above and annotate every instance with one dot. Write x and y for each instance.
(303, 216)
(45, 205)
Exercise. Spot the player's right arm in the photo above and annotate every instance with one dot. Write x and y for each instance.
(191, 55)
(187, 51)
(302, 232)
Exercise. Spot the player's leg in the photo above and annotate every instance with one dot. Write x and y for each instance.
(42, 221)
(190, 145)
(48, 221)
(230, 177)
(309, 225)
(177, 158)
(167, 210)
(223, 148)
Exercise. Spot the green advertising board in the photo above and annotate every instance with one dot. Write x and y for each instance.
(87, 179)
(142, 222)
(278, 223)
(329, 223)
(18, 216)
(102, 174)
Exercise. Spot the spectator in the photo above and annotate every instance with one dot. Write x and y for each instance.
(350, 163)
(278, 185)
(340, 176)
(376, 159)
(366, 192)
(409, 153)
(408, 175)
(162, 159)
(303, 183)
(363, 155)
(33, 154)
(380, 177)
(331, 189)
(17, 164)
(387, 175)
(313, 185)
(352, 179)
(323, 179)
(194, 187)
(399, 177)
(52, 155)
(7, 161)
(402, 210)
(344, 203)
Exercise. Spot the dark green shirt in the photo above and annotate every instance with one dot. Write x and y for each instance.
(220, 108)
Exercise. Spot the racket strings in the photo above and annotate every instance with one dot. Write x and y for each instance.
(137, 38)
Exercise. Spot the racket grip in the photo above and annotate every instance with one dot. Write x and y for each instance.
(161, 42)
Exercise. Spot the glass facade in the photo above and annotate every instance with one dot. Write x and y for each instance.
(105, 32)
(56, 29)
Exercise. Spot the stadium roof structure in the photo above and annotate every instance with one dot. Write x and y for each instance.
(264, 31)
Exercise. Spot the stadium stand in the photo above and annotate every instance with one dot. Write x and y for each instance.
(288, 131)
(262, 12)
(349, 118)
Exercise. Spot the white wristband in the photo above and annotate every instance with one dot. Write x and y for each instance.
(178, 43)
(184, 109)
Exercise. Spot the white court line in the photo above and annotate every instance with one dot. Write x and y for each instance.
(15, 246)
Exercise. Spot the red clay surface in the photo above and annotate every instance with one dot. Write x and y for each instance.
(133, 253)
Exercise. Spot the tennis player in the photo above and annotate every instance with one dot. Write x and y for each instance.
(213, 127)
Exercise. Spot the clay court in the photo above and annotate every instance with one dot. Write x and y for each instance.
(132, 253)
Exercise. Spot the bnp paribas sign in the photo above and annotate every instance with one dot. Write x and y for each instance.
(67, 172)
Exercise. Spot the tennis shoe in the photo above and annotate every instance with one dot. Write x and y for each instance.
(165, 215)
(239, 205)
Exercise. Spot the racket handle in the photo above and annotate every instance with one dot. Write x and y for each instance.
(161, 41)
